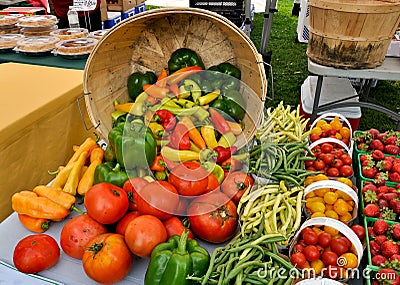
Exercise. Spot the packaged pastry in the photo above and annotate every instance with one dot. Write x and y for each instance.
(9, 29)
(6, 20)
(38, 31)
(80, 46)
(70, 33)
(9, 41)
(98, 34)
(38, 21)
(36, 44)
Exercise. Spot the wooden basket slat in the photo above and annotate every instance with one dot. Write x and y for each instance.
(146, 42)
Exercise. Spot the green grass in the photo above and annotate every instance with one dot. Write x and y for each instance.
(289, 65)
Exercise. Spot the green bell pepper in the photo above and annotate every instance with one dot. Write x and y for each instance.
(183, 57)
(109, 154)
(136, 81)
(232, 104)
(227, 68)
(134, 144)
(110, 172)
(172, 261)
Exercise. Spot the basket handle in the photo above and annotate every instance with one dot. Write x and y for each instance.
(81, 113)
(272, 80)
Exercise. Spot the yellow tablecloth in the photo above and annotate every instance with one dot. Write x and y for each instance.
(39, 124)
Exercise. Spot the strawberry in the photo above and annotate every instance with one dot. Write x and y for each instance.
(392, 149)
(380, 178)
(389, 248)
(380, 239)
(384, 165)
(394, 257)
(383, 189)
(380, 227)
(368, 172)
(370, 197)
(396, 167)
(382, 137)
(391, 276)
(362, 146)
(395, 206)
(390, 140)
(382, 203)
(374, 247)
(370, 231)
(394, 177)
(389, 196)
(378, 155)
(369, 186)
(377, 144)
(378, 260)
(373, 133)
(371, 210)
(368, 163)
(396, 232)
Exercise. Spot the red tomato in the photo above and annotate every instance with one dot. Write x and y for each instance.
(311, 253)
(143, 234)
(77, 232)
(107, 258)
(174, 226)
(319, 164)
(337, 163)
(309, 163)
(235, 184)
(189, 178)
(346, 170)
(310, 237)
(213, 183)
(106, 203)
(346, 159)
(298, 259)
(123, 223)
(131, 187)
(326, 148)
(359, 231)
(332, 171)
(36, 253)
(314, 137)
(158, 198)
(329, 258)
(328, 158)
(324, 239)
(338, 246)
(213, 217)
(181, 209)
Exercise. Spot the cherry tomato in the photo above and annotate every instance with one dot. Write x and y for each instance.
(338, 153)
(347, 241)
(131, 187)
(106, 203)
(346, 170)
(123, 223)
(333, 172)
(310, 237)
(346, 159)
(189, 178)
(338, 246)
(158, 198)
(107, 258)
(328, 158)
(213, 217)
(309, 163)
(77, 232)
(235, 184)
(329, 258)
(337, 163)
(324, 239)
(314, 137)
(143, 234)
(311, 253)
(359, 231)
(174, 226)
(298, 259)
(319, 164)
(326, 148)
(298, 248)
(36, 253)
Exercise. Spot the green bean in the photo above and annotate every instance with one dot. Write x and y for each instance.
(239, 268)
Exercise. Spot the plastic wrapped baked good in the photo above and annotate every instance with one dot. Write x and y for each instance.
(9, 29)
(38, 21)
(98, 34)
(9, 41)
(36, 44)
(71, 33)
(80, 46)
(38, 31)
(6, 20)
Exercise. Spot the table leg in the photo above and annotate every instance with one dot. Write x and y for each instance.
(316, 98)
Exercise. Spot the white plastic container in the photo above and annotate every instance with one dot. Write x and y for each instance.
(333, 88)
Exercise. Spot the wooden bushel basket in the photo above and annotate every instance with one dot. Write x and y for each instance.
(351, 34)
(146, 42)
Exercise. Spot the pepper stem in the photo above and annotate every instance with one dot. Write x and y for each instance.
(116, 168)
(182, 242)
(76, 209)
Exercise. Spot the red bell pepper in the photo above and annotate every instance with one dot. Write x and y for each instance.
(158, 164)
(224, 153)
(166, 119)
